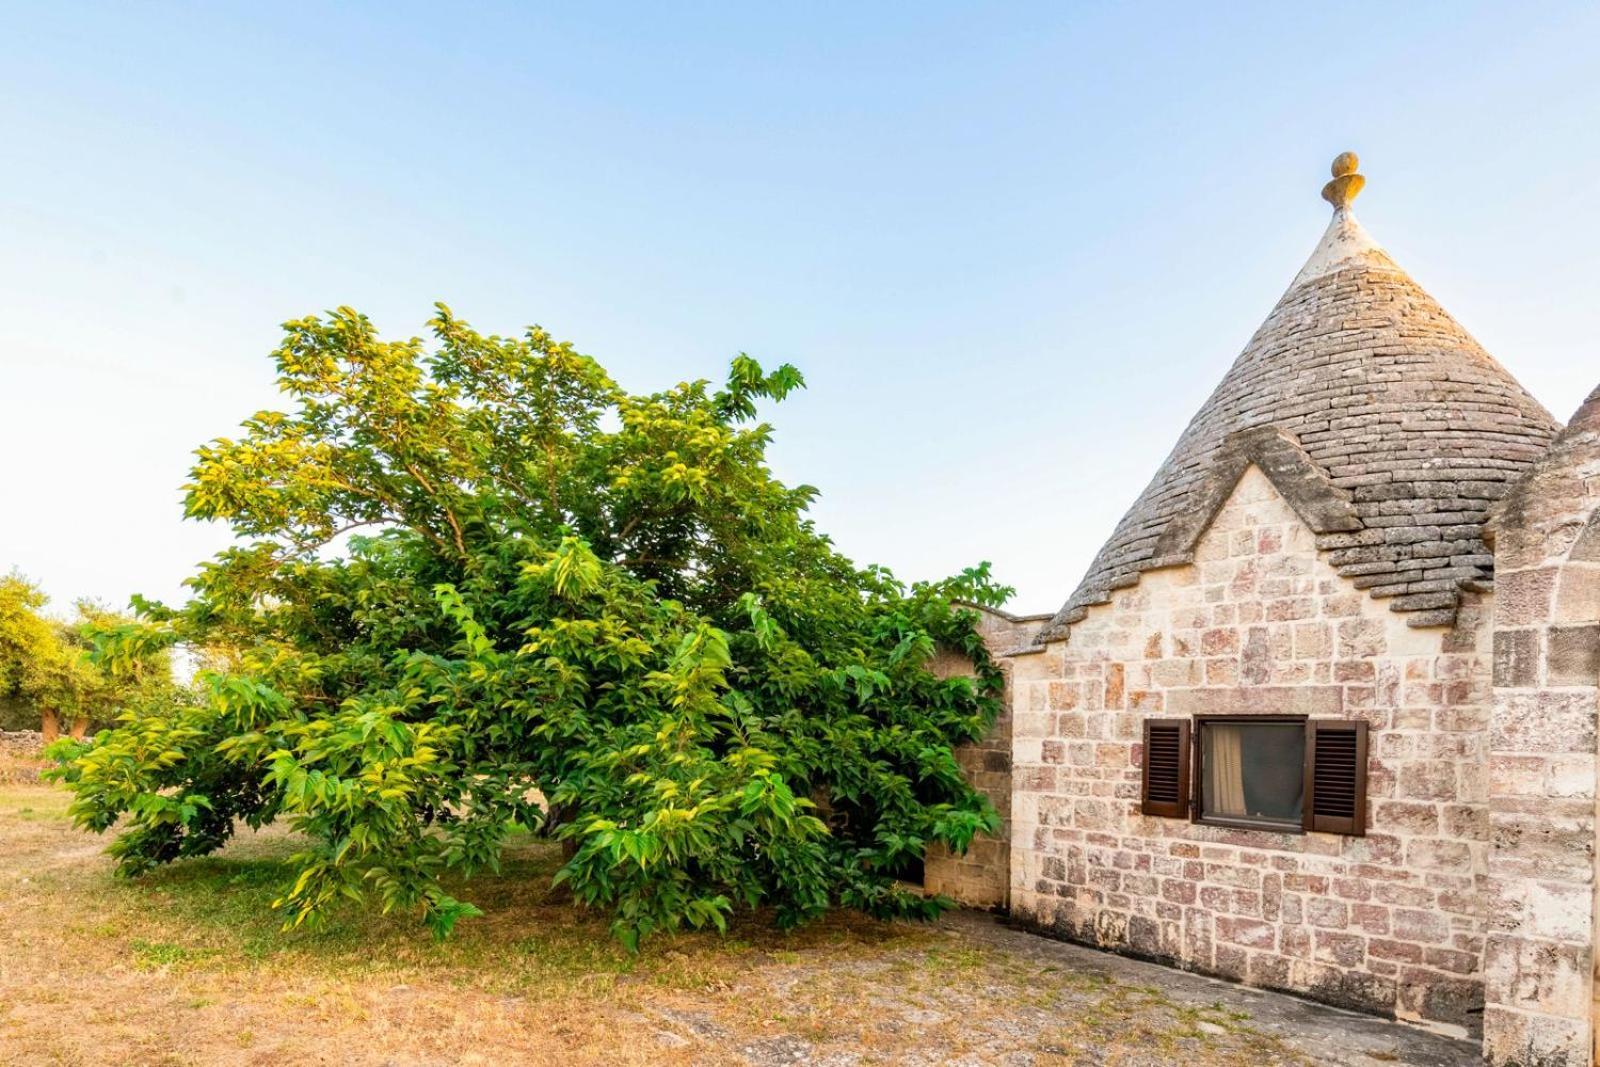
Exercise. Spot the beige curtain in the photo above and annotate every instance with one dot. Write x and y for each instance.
(1225, 780)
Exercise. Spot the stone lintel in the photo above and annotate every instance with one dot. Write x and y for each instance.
(1258, 700)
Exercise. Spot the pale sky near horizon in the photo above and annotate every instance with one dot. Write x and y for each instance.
(1012, 247)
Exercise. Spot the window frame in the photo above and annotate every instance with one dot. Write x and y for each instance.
(1197, 802)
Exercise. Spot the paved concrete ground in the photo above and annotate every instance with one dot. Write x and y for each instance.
(1323, 1035)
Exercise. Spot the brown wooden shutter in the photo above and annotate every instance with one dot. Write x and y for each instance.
(1336, 777)
(1166, 768)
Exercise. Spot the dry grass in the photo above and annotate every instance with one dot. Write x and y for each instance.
(188, 966)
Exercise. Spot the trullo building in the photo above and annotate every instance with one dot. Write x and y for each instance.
(1321, 717)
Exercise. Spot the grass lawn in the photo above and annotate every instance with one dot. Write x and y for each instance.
(188, 966)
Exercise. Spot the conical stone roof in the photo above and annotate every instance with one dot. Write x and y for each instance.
(1386, 426)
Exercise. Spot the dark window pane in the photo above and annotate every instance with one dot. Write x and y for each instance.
(1253, 771)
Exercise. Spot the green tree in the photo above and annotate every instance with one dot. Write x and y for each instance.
(35, 667)
(478, 586)
(48, 667)
(114, 669)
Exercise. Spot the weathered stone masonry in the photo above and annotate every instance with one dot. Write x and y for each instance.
(981, 877)
(1261, 623)
(1540, 959)
(1368, 520)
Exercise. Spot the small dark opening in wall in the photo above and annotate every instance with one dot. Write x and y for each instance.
(913, 871)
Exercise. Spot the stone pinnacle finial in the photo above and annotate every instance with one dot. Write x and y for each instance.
(1346, 184)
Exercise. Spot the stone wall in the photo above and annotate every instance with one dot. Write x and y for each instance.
(1391, 922)
(21, 755)
(1539, 964)
(981, 877)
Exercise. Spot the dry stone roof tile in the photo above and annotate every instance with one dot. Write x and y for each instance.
(1402, 414)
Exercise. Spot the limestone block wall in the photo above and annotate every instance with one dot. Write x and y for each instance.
(1540, 959)
(1391, 922)
(981, 877)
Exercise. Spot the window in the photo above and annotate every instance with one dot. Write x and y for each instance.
(1258, 772)
(1252, 772)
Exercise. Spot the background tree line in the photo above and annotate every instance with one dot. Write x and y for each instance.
(49, 677)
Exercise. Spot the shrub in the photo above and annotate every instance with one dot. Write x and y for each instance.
(479, 587)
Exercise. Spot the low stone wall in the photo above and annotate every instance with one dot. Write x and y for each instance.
(981, 878)
(21, 756)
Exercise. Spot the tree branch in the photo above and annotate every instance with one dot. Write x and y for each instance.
(450, 516)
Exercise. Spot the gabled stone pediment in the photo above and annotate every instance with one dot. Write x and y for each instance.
(1321, 505)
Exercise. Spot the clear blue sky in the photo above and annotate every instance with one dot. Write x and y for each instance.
(1012, 247)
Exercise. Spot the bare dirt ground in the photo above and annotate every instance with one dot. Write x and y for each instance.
(188, 966)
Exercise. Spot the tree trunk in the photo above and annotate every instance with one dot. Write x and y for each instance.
(79, 728)
(50, 726)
